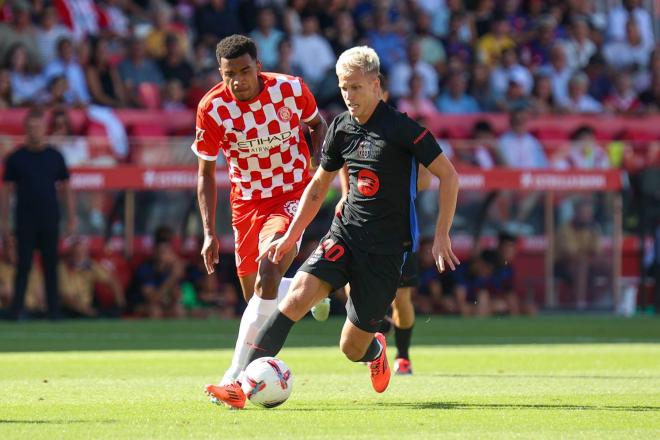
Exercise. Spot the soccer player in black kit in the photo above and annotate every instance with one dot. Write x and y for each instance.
(368, 240)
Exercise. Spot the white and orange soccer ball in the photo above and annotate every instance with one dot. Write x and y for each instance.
(267, 382)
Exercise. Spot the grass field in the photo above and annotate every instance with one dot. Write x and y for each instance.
(549, 377)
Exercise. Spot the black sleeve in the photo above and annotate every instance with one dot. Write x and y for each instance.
(331, 158)
(10, 173)
(62, 170)
(419, 141)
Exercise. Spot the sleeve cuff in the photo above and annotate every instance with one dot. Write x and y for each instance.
(316, 112)
(202, 155)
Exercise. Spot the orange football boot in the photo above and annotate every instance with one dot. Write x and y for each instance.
(402, 366)
(380, 368)
(230, 394)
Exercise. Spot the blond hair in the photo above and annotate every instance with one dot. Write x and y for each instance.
(362, 58)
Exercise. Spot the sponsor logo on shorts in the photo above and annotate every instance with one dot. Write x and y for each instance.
(199, 134)
(368, 183)
(291, 207)
(285, 114)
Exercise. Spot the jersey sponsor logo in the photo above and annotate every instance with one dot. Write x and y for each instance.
(368, 183)
(259, 145)
(199, 134)
(291, 207)
(285, 114)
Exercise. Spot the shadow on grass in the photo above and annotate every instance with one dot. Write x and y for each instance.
(53, 422)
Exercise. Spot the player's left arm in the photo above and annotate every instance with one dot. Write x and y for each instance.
(317, 131)
(442, 168)
(423, 178)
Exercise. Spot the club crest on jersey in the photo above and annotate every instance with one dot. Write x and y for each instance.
(285, 114)
(291, 207)
(199, 134)
(365, 149)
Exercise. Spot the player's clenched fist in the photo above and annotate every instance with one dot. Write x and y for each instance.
(210, 252)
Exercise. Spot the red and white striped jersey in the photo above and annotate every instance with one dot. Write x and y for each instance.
(262, 139)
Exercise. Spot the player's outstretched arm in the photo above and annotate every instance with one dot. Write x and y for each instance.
(310, 203)
(442, 168)
(207, 199)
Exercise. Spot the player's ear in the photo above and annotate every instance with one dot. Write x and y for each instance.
(259, 66)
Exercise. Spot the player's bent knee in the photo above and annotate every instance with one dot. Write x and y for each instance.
(351, 350)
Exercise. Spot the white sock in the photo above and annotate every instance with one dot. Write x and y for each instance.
(254, 317)
(283, 289)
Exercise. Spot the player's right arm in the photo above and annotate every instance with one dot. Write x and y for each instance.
(207, 200)
(310, 203)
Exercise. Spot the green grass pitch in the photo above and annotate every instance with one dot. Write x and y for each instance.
(550, 377)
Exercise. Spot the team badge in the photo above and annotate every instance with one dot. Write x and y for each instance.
(365, 149)
(284, 113)
(291, 207)
(199, 135)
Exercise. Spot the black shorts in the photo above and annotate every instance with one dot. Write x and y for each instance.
(373, 279)
(410, 271)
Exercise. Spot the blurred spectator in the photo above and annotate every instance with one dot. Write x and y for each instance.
(484, 144)
(206, 294)
(36, 171)
(621, 15)
(559, 73)
(157, 43)
(456, 100)
(515, 97)
(81, 16)
(454, 45)
(115, 15)
(583, 152)
(509, 69)
(432, 50)
(650, 98)
(579, 48)
(49, 34)
(67, 66)
(344, 35)
(492, 44)
(480, 87)
(173, 65)
(538, 51)
(215, 20)
(483, 16)
(156, 288)
(137, 69)
(174, 96)
(578, 99)
(78, 274)
(105, 85)
(389, 45)
(431, 296)
(623, 98)
(27, 84)
(632, 52)
(203, 59)
(416, 104)
(35, 296)
(542, 101)
(56, 93)
(5, 89)
(476, 291)
(75, 149)
(292, 16)
(518, 148)
(286, 63)
(515, 303)
(578, 252)
(267, 37)
(599, 79)
(20, 31)
(402, 71)
(312, 52)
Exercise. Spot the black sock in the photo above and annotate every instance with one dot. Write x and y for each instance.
(373, 351)
(272, 336)
(402, 338)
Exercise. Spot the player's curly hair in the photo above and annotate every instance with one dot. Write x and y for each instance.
(234, 46)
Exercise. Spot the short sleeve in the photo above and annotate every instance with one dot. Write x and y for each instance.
(331, 158)
(10, 174)
(62, 170)
(307, 103)
(208, 134)
(419, 141)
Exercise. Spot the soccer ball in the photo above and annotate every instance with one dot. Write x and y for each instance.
(267, 382)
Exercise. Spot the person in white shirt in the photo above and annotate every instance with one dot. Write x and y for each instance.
(578, 100)
(619, 16)
(559, 72)
(312, 52)
(632, 52)
(508, 68)
(402, 72)
(579, 48)
(49, 33)
(518, 148)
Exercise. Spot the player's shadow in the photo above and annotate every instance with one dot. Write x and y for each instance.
(516, 406)
(52, 422)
